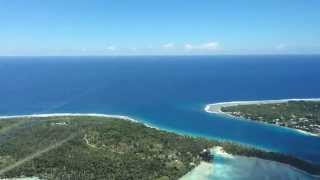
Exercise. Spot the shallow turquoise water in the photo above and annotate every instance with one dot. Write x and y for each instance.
(228, 167)
(244, 168)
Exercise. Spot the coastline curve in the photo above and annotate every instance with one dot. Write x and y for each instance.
(215, 108)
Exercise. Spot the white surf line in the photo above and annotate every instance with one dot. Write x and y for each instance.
(304, 132)
(215, 108)
(36, 154)
(127, 118)
(69, 114)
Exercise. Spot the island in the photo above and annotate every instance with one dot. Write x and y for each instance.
(109, 147)
(302, 115)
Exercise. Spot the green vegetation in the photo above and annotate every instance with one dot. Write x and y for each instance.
(106, 148)
(303, 115)
(273, 156)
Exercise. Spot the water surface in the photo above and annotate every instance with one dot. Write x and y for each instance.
(168, 92)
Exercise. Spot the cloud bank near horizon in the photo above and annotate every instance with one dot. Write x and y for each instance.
(169, 48)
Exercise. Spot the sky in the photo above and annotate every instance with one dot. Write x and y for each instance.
(159, 27)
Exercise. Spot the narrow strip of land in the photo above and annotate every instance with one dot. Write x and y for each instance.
(300, 114)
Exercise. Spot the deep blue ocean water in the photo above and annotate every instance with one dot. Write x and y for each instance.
(167, 92)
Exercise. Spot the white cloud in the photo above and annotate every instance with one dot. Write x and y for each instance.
(111, 48)
(188, 46)
(210, 46)
(205, 46)
(168, 46)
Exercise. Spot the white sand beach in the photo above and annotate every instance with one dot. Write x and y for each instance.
(229, 167)
(203, 171)
(218, 150)
(127, 118)
(69, 114)
(215, 108)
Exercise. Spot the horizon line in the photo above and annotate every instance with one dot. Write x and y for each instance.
(164, 55)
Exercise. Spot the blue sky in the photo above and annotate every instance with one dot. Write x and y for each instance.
(159, 27)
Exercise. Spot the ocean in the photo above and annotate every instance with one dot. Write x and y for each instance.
(168, 92)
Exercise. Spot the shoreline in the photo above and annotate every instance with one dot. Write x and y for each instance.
(127, 118)
(218, 150)
(69, 114)
(202, 171)
(215, 108)
(206, 170)
(121, 117)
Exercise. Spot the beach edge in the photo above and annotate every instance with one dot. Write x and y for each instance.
(215, 108)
